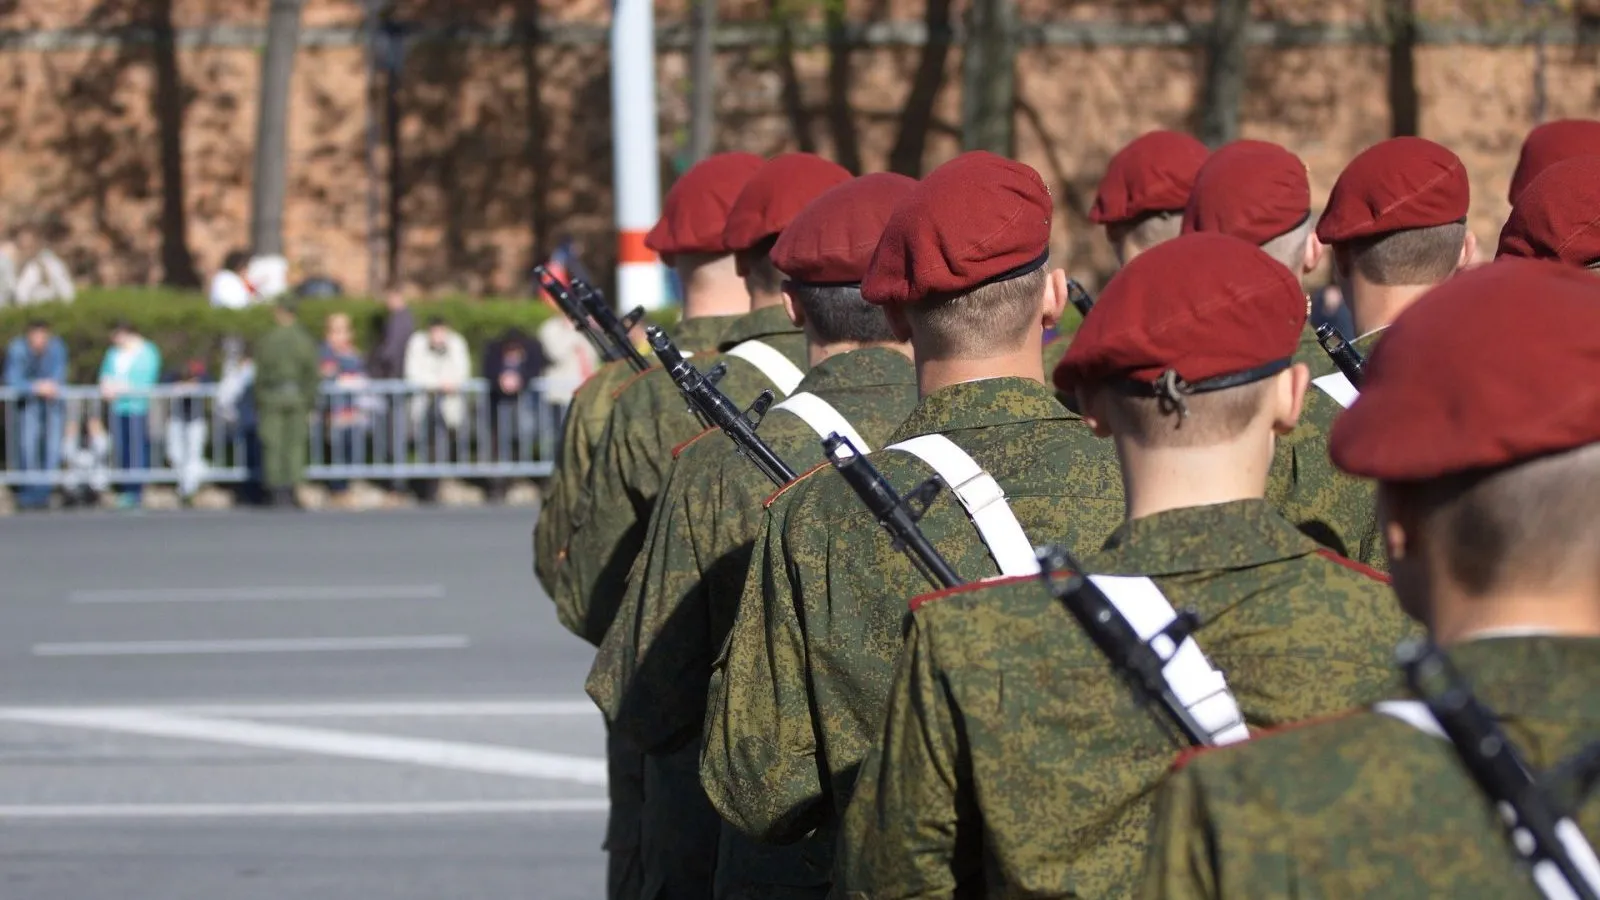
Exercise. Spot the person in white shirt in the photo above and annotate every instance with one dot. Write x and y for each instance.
(438, 363)
(43, 277)
(230, 289)
(571, 358)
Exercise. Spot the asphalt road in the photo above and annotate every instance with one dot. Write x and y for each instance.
(267, 705)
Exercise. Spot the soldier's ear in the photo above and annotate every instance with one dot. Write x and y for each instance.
(1288, 397)
(898, 323)
(1469, 251)
(1093, 411)
(1055, 299)
(797, 313)
(1314, 251)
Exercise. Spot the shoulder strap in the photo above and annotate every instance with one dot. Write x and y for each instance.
(1201, 689)
(777, 367)
(984, 500)
(822, 417)
(1338, 387)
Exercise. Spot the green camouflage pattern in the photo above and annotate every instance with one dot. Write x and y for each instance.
(1310, 352)
(812, 650)
(1013, 763)
(1368, 342)
(648, 420)
(1368, 806)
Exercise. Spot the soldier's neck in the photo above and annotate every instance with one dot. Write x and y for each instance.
(1571, 612)
(1375, 305)
(1159, 479)
(936, 374)
(712, 287)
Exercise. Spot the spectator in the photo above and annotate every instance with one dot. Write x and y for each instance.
(388, 359)
(437, 366)
(187, 428)
(319, 287)
(42, 276)
(236, 407)
(86, 477)
(36, 368)
(511, 365)
(342, 368)
(286, 392)
(8, 272)
(230, 289)
(130, 369)
(570, 358)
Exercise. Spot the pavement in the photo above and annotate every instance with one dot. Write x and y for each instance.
(244, 705)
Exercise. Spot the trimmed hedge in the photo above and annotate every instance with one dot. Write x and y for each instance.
(185, 326)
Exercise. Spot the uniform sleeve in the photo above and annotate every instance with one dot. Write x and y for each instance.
(911, 828)
(554, 528)
(760, 765)
(1180, 861)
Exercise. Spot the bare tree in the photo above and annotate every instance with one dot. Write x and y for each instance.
(168, 101)
(1401, 28)
(702, 102)
(271, 168)
(1226, 69)
(989, 77)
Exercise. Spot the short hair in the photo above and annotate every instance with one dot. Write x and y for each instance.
(236, 260)
(838, 313)
(1289, 248)
(1147, 230)
(978, 322)
(1411, 256)
(1212, 418)
(123, 325)
(38, 325)
(761, 277)
(1528, 526)
(436, 321)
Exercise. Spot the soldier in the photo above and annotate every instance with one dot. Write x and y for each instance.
(1549, 144)
(1003, 709)
(1397, 224)
(286, 392)
(1258, 191)
(689, 237)
(1490, 496)
(961, 270)
(763, 350)
(652, 671)
(1554, 219)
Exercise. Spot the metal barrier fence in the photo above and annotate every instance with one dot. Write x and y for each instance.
(189, 435)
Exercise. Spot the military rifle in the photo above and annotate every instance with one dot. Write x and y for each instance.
(1132, 656)
(1563, 863)
(1082, 301)
(898, 515)
(715, 407)
(615, 328)
(1346, 357)
(575, 312)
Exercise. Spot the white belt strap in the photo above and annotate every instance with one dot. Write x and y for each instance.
(1338, 387)
(1201, 689)
(822, 417)
(777, 367)
(1545, 874)
(981, 495)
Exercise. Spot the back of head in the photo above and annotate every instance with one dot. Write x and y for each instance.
(1146, 186)
(1492, 469)
(964, 255)
(769, 201)
(1398, 213)
(1183, 341)
(1256, 191)
(1557, 218)
(1549, 144)
(236, 260)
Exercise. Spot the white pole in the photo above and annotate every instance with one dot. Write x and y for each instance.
(640, 278)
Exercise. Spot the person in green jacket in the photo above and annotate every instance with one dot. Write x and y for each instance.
(286, 393)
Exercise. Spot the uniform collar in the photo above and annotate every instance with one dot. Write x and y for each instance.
(872, 367)
(981, 404)
(700, 334)
(760, 323)
(1234, 535)
(1534, 677)
(1366, 342)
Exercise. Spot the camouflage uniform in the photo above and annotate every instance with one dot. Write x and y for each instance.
(1368, 342)
(1014, 763)
(1368, 806)
(651, 675)
(820, 624)
(580, 435)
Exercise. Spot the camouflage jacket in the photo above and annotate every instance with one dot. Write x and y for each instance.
(649, 419)
(820, 624)
(651, 674)
(1368, 342)
(1368, 806)
(580, 433)
(1013, 763)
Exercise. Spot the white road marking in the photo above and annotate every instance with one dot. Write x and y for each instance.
(453, 755)
(263, 594)
(265, 645)
(297, 810)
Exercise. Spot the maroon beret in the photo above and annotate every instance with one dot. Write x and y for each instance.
(1402, 183)
(1153, 174)
(1203, 306)
(696, 208)
(776, 194)
(977, 219)
(1551, 143)
(1253, 190)
(1558, 215)
(831, 241)
(1464, 380)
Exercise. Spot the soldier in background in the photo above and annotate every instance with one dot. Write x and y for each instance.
(1492, 522)
(1555, 219)
(1549, 144)
(962, 270)
(286, 392)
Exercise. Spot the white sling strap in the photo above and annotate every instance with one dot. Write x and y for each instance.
(1545, 874)
(823, 418)
(981, 495)
(1338, 387)
(777, 367)
(1201, 689)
